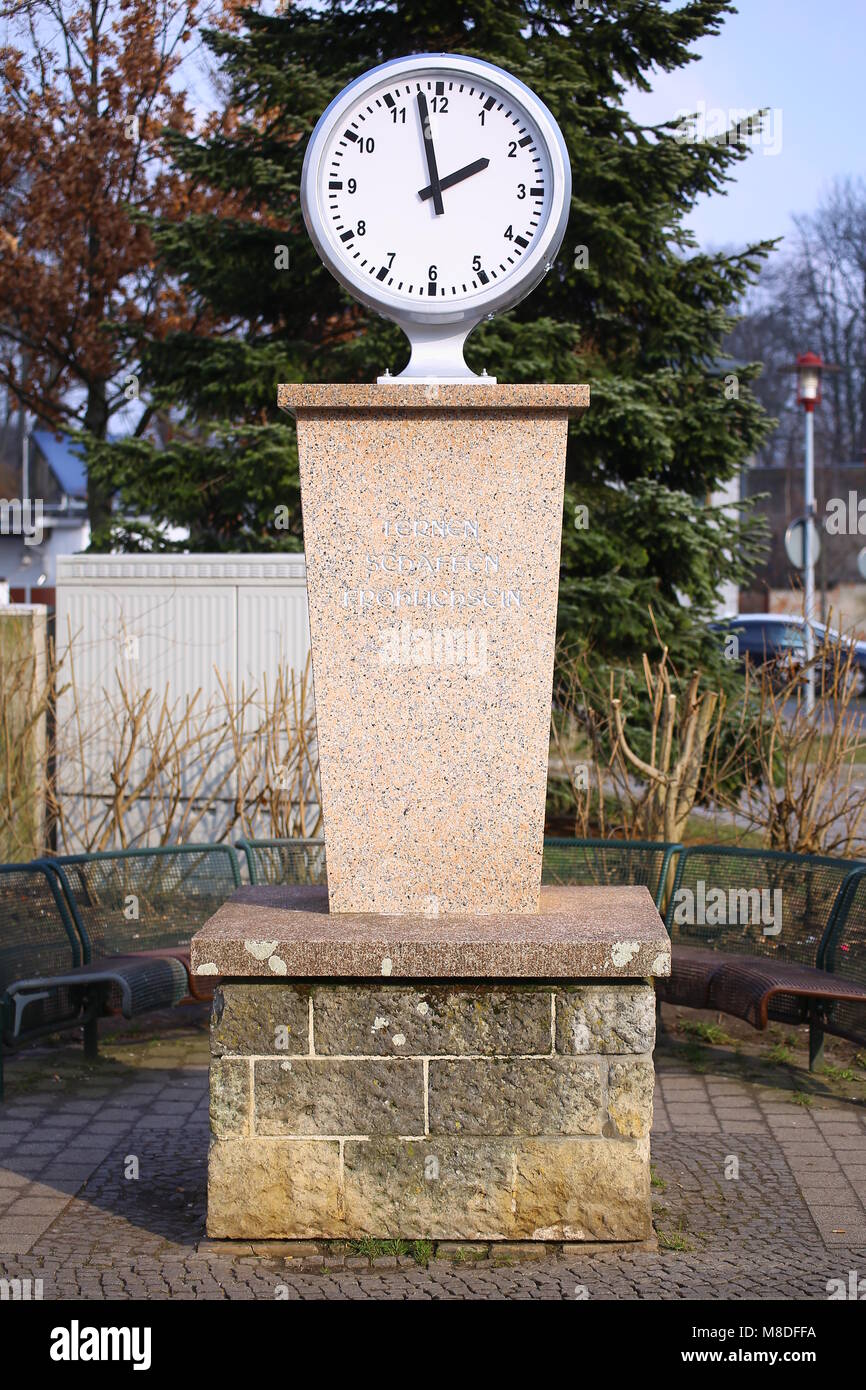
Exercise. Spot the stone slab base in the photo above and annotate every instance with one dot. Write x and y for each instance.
(484, 1111)
(318, 1255)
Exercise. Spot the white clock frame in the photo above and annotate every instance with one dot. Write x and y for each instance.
(437, 331)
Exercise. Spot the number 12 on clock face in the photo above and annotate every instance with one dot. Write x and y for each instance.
(437, 183)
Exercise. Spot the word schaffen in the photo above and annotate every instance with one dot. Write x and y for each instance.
(755, 907)
(77, 1343)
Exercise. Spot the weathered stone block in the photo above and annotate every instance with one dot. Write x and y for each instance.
(229, 1096)
(260, 1018)
(605, 1018)
(533, 1147)
(274, 1188)
(550, 1095)
(317, 1096)
(410, 1020)
(630, 1097)
(498, 1189)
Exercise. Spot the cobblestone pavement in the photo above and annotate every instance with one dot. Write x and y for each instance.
(102, 1195)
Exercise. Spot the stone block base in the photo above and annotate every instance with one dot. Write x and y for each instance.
(484, 1111)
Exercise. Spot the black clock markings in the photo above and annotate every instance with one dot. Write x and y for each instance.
(350, 138)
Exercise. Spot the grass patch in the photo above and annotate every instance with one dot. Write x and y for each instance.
(375, 1249)
(801, 1098)
(706, 1032)
(840, 1073)
(696, 1056)
(656, 1180)
(857, 756)
(781, 1055)
(422, 1251)
(710, 830)
(675, 1240)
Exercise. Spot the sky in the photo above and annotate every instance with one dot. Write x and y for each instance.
(805, 60)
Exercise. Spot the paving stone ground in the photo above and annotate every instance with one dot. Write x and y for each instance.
(759, 1191)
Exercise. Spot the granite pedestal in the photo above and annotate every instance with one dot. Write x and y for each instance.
(433, 1047)
(432, 531)
(475, 1077)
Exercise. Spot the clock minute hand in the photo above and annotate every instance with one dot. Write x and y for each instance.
(435, 187)
(457, 177)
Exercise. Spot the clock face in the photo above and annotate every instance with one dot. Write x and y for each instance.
(436, 187)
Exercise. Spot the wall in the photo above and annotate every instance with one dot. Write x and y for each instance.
(181, 623)
(777, 587)
(23, 731)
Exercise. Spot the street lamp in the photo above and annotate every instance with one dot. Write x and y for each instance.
(809, 368)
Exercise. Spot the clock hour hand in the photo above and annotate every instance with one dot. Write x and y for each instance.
(435, 187)
(457, 177)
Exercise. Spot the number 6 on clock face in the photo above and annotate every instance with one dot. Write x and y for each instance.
(436, 189)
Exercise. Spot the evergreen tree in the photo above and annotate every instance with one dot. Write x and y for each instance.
(632, 305)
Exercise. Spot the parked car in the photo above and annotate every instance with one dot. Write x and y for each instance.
(778, 640)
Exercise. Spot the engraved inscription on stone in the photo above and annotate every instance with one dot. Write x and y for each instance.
(409, 568)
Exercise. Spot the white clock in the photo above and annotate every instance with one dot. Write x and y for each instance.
(436, 189)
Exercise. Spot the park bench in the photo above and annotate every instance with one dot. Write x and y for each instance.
(49, 981)
(609, 863)
(566, 861)
(842, 954)
(759, 934)
(284, 861)
(148, 902)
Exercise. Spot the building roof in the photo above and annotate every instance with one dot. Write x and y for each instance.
(65, 460)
